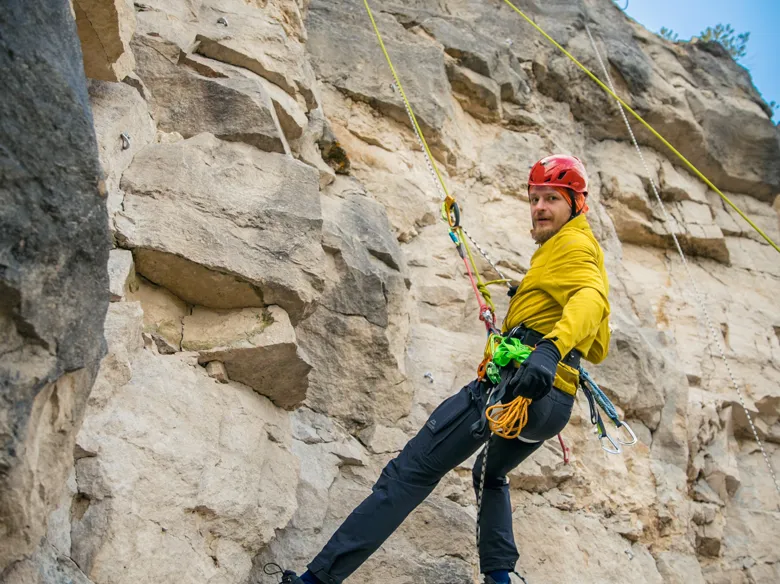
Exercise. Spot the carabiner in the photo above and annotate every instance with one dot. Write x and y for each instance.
(450, 212)
(630, 432)
(615, 446)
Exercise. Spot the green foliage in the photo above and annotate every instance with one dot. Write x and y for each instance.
(668, 34)
(735, 44)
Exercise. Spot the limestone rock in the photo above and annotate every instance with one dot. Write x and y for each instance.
(504, 161)
(123, 127)
(121, 274)
(709, 531)
(362, 72)
(234, 108)
(259, 239)
(677, 185)
(367, 258)
(163, 314)
(217, 370)
(679, 568)
(259, 43)
(58, 529)
(257, 347)
(638, 220)
(546, 470)
(409, 206)
(554, 549)
(124, 326)
(105, 29)
(482, 38)
(179, 461)
(374, 390)
(748, 162)
(309, 150)
(289, 113)
(53, 253)
(124, 322)
(360, 325)
(46, 566)
(631, 374)
(380, 439)
(469, 47)
(760, 213)
(212, 488)
(478, 95)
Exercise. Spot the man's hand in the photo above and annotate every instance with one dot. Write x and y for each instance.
(534, 379)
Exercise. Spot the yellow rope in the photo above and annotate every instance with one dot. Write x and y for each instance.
(449, 199)
(406, 101)
(508, 420)
(641, 120)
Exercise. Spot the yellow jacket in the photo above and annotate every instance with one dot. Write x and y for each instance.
(564, 296)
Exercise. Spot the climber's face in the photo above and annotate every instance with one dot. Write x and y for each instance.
(549, 212)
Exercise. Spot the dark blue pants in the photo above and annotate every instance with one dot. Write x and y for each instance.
(443, 443)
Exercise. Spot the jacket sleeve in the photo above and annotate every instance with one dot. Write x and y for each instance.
(574, 280)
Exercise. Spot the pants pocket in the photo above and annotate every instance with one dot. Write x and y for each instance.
(449, 411)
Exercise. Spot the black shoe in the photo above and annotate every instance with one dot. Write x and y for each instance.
(489, 579)
(288, 576)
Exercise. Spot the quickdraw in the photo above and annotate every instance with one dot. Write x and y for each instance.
(598, 399)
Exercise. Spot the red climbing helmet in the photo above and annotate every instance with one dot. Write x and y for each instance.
(560, 170)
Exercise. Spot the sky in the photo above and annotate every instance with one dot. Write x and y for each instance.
(761, 18)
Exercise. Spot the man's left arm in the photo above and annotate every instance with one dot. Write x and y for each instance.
(573, 278)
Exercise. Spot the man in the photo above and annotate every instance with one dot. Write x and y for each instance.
(561, 308)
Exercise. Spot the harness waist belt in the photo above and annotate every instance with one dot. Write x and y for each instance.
(531, 337)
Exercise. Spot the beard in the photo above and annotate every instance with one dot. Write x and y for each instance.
(542, 235)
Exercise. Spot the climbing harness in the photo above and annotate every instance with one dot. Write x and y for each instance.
(642, 121)
(697, 294)
(507, 420)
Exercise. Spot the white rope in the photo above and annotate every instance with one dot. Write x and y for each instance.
(698, 295)
(428, 161)
(484, 254)
(443, 195)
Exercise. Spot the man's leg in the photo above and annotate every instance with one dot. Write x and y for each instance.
(546, 417)
(444, 442)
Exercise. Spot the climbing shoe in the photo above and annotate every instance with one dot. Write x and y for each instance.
(287, 576)
(290, 577)
(490, 580)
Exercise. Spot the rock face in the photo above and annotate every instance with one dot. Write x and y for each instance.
(257, 213)
(53, 254)
(105, 29)
(287, 311)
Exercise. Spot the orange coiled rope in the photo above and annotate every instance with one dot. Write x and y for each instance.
(508, 420)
